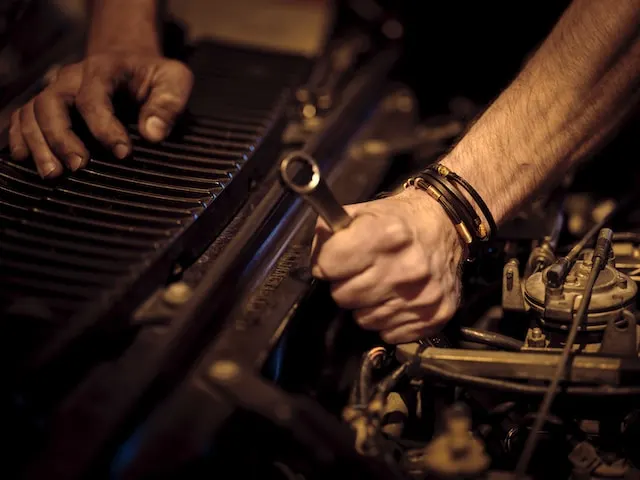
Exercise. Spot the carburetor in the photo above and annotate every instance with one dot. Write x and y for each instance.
(554, 306)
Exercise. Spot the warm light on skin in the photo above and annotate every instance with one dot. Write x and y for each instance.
(577, 88)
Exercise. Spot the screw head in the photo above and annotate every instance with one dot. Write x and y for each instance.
(177, 293)
(224, 370)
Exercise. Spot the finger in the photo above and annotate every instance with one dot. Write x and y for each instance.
(408, 332)
(52, 114)
(394, 313)
(17, 143)
(94, 104)
(47, 164)
(426, 301)
(402, 274)
(322, 234)
(364, 290)
(354, 249)
(406, 329)
(169, 90)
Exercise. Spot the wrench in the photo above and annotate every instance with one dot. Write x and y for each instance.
(300, 172)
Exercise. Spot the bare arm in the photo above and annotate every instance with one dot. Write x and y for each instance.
(576, 89)
(123, 25)
(397, 266)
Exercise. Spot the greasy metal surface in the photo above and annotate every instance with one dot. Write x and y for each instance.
(160, 354)
(263, 310)
(137, 218)
(522, 365)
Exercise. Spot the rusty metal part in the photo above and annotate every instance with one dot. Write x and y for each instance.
(529, 365)
(613, 292)
(456, 452)
(512, 297)
(620, 338)
(300, 172)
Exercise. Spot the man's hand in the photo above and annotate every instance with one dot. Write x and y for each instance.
(42, 127)
(396, 265)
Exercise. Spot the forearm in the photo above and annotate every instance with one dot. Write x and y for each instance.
(570, 96)
(124, 25)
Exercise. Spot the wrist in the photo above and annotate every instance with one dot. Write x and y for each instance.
(479, 173)
(124, 27)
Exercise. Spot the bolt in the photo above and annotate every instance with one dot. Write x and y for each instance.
(536, 334)
(177, 293)
(535, 338)
(404, 103)
(224, 370)
(510, 279)
(588, 259)
(458, 427)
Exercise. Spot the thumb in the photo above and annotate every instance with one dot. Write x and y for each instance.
(169, 91)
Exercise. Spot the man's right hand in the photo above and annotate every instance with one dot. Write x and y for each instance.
(42, 127)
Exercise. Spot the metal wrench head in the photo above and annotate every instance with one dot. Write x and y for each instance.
(300, 172)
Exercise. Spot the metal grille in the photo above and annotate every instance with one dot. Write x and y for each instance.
(98, 241)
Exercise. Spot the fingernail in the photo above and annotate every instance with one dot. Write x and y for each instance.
(47, 169)
(75, 162)
(121, 151)
(156, 128)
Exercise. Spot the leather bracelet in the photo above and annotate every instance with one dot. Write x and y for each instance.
(464, 209)
(462, 229)
(457, 179)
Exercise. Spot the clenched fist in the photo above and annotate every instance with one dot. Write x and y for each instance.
(42, 127)
(396, 266)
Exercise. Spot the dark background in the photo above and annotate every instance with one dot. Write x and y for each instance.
(469, 48)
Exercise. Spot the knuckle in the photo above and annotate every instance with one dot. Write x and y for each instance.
(57, 143)
(340, 296)
(446, 311)
(396, 231)
(389, 336)
(15, 119)
(415, 265)
(363, 318)
(84, 102)
(432, 294)
(180, 67)
(167, 103)
(39, 102)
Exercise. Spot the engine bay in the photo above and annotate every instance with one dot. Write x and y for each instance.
(228, 356)
(467, 403)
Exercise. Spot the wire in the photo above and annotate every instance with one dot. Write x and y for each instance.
(371, 360)
(490, 338)
(521, 388)
(599, 258)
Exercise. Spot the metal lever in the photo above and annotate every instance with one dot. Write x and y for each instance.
(300, 172)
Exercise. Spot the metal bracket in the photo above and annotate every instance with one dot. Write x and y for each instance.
(512, 297)
(621, 340)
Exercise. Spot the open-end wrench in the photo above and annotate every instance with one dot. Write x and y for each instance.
(300, 172)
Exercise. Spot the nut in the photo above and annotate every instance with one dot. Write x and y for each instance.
(177, 293)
